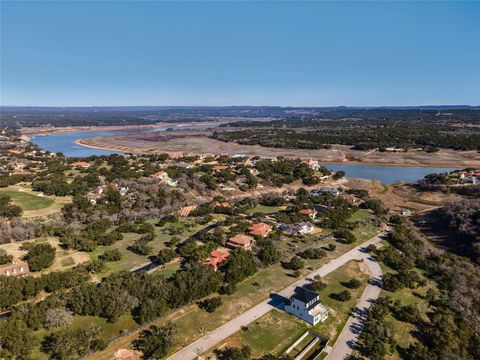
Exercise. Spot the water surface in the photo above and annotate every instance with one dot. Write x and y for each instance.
(65, 143)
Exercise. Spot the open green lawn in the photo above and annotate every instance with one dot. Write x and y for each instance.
(273, 333)
(402, 331)
(339, 311)
(359, 215)
(109, 330)
(277, 330)
(264, 209)
(27, 201)
(194, 323)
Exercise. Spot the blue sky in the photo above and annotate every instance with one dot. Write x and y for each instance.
(239, 53)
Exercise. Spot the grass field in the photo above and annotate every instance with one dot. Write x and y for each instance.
(26, 200)
(359, 215)
(264, 209)
(273, 333)
(339, 311)
(402, 331)
(277, 330)
(32, 203)
(194, 322)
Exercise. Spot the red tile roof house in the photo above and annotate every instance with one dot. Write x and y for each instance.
(311, 213)
(221, 204)
(82, 164)
(186, 210)
(15, 269)
(241, 240)
(219, 167)
(216, 257)
(260, 229)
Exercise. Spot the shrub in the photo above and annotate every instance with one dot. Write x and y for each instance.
(352, 283)
(313, 254)
(209, 305)
(111, 255)
(166, 255)
(295, 263)
(40, 256)
(341, 296)
(140, 247)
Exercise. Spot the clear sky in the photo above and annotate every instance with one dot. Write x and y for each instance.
(239, 53)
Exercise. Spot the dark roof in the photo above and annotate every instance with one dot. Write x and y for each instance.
(304, 295)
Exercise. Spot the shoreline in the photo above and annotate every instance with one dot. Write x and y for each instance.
(30, 132)
(348, 162)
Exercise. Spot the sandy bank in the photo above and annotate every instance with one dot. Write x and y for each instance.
(339, 154)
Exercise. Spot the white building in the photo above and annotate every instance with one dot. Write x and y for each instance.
(306, 305)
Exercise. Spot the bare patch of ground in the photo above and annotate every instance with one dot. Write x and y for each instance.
(199, 142)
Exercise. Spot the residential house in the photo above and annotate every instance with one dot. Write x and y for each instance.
(216, 257)
(175, 154)
(313, 164)
(161, 175)
(217, 168)
(221, 204)
(186, 210)
(311, 213)
(14, 269)
(300, 228)
(80, 164)
(260, 229)
(405, 212)
(319, 192)
(240, 241)
(306, 305)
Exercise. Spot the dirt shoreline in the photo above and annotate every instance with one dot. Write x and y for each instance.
(93, 143)
(28, 132)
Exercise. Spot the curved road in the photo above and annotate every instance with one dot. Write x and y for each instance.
(345, 343)
(221, 333)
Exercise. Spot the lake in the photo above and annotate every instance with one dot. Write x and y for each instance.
(65, 143)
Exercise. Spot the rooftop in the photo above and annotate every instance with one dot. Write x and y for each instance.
(304, 295)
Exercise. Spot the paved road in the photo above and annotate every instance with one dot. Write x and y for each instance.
(228, 329)
(351, 332)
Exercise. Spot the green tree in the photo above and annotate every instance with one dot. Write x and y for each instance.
(155, 341)
(40, 256)
(16, 340)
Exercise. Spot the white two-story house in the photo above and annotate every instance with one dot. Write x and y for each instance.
(306, 305)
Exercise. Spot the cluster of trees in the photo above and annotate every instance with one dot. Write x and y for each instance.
(452, 327)
(361, 135)
(16, 289)
(463, 217)
(39, 256)
(284, 171)
(7, 209)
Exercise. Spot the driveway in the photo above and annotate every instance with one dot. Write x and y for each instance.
(221, 333)
(351, 332)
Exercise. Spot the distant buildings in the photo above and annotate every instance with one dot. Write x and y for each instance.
(306, 305)
(186, 210)
(311, 213)
(405, 212)
(80, 164)
(319, 192)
